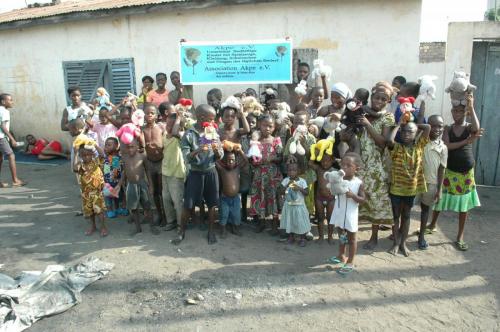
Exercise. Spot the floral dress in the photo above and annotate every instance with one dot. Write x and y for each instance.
(375, 175)
(92, 183)
(266, 179)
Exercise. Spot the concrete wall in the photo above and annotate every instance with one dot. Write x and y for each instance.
(361, 39)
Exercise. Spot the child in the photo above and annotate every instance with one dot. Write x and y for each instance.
(397, 82)
(180, 91)
(294, 217)
(112, 170)
(214, 99)
(362, 95)
(323, 198)
(345, 214)
(104, 128)
(173, 169)
(410, 89)
(230, 202)
(147, 86)
(92, 183)
(44, 149)
(266, 177)
(160, 95)
(137, 191)
(317, 97)
(6, 102)
(153, 137)
(435, 158)
(202, 182)
(407, 178)
(459, 192)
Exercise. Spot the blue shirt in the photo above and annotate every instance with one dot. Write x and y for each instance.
(203, 161)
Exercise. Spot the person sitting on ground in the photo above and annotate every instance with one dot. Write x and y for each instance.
(44, 149)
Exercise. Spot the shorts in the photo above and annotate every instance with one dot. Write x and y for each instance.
(201, 187)
(398, 200)
(230, 210)
(427, 198)
(5, 147)
(55, 146)
(138, 195)
(153, 167)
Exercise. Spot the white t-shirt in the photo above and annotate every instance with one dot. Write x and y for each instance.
(4, 117)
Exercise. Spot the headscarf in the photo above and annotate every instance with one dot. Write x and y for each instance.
(383, 87)
(342, 89)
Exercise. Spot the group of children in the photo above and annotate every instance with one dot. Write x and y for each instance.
(224, 154)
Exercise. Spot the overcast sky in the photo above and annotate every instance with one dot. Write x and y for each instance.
(436, 14)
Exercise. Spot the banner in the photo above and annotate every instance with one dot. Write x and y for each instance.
(240, 62)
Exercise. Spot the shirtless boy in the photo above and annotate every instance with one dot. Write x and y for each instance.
(137, 192)
(230, 202)
(153, 137)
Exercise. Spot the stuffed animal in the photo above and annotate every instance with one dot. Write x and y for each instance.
(185, 103)
(459, 87)
(354, 110)
(252, 106)
(255, 146)
(230, 146)
(83, 139)
(131, 98)
(281, 113)
(128, 132)
(320, 69)
(109, 191)
(292, 194)
(295, 145)
(103, 98)
(323, 146)
(406, 108)
(231, 102)
(209, 134)
(301, 88)
(336, 182)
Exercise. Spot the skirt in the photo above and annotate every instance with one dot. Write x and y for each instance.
(295, 219)
(459, 192)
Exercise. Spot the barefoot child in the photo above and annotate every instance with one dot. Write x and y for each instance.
(112, 170)
(230, 203)
(104, 128)
(407, 178)
(266, 177)
(345, 214)
(323, 199)
(153, 137)
(294, 217)
(202, 183)
(435, 158)
(137, 192)
(88, 169)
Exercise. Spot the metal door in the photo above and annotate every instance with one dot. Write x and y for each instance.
(485, 74)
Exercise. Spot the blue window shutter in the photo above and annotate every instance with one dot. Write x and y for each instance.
(88, 75)
(122, 79)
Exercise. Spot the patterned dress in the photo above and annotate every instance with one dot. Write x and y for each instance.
(377, 208)
(92, 183)
(266, 179)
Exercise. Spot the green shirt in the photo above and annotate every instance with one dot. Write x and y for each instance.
(173, 161)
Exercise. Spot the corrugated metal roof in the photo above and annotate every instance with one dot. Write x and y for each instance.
(68, 7)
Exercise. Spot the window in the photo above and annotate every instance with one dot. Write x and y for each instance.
(115, 75)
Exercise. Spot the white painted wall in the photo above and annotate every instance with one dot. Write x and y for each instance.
(365, 41)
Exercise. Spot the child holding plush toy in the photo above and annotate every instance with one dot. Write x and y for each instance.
(112, 170)
(345, 214)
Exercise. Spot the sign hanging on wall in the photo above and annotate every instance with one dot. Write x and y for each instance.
(239, 62)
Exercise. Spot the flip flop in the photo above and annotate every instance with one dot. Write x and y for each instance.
(423, 245)
(3, 185)
(428, 231)
(462, 246)
(346, 269)
(334, 260)
(19, 184)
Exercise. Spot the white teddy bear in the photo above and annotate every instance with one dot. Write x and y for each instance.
(295, 145)
(321, 69)
(459, 86)
(336, 182)
(427, 88)
(301, 88)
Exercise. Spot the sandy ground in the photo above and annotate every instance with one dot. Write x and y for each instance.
(253, 282)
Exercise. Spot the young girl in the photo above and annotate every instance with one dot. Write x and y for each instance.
(266, 177)
(92, 183)
(377, 123)
(345, 214)
(295, 217)
(112, 170)
(459, 188)
(104, 128)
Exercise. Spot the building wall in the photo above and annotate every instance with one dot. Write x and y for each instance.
(365, 41)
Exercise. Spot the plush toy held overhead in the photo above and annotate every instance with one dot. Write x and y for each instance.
(209, 134)
(336, 183)
(103, 98)
(282, 112)
(231, 102)
(132, 130)
(301, 88)
(320, 69)
(323, 146)
(230, 146)
(83, 139)
(354, 111)
(406, 108)
(295, 145)
(459, 87)
(255, 146)
(252, 106)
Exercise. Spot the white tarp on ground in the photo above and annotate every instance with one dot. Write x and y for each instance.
(35, 294)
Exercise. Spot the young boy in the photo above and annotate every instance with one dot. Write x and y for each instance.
(202, 182)
(173, 169)
(6, 102)
(214, 99)
(137, 192)
(435, 159)
(181, 91)
(407, 178)
(317, 97)
(159, 95)
(153, 137)
(230, 202)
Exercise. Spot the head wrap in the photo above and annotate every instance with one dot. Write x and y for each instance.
(342, 89)
(383, 87)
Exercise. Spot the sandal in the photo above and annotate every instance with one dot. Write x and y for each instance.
(423, 245)
(334, 260)
(290, 240)
(19, 184)
(346, 269)
(462, 246)
(428, 231)
(3, 185)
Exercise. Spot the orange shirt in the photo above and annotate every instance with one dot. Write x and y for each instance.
(157, 98)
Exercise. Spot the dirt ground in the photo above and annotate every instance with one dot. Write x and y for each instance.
(253, 282)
